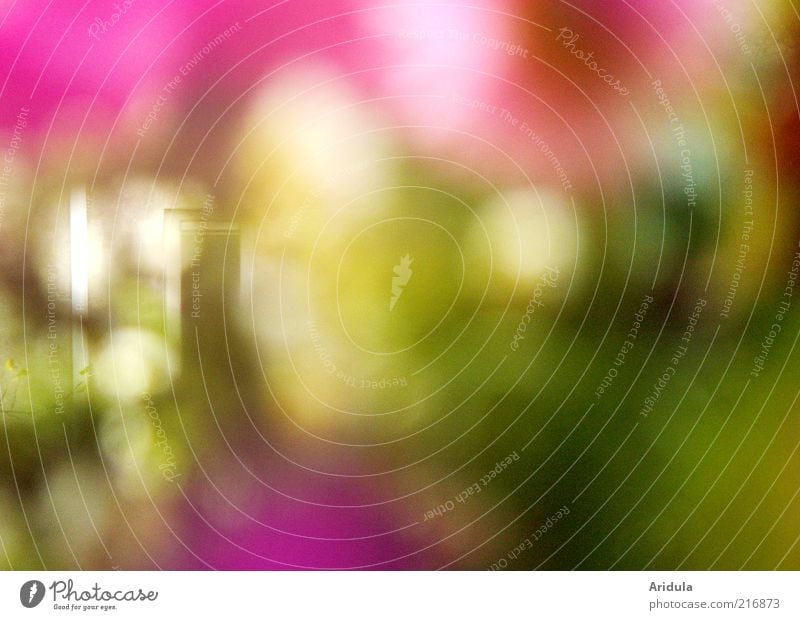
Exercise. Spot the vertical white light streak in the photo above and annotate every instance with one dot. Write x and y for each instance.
(79, 276)
(79, 252)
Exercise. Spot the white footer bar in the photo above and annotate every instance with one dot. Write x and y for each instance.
(401, 595)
